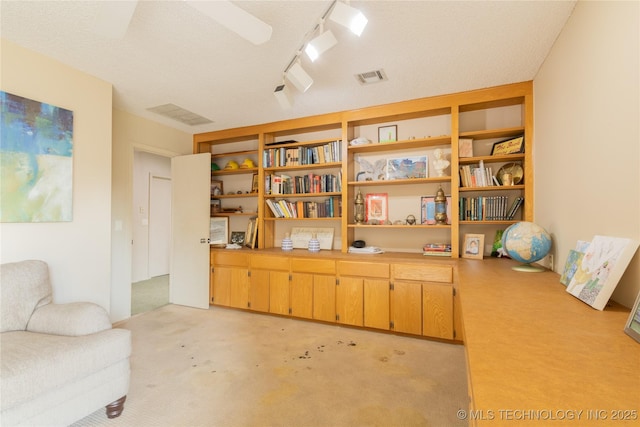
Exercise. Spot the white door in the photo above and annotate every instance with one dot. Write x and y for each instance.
(159, 225)
(190, 201)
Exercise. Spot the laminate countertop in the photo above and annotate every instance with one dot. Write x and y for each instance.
(537, 355)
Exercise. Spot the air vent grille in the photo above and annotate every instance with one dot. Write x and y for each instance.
(179, 114)
(370, 77)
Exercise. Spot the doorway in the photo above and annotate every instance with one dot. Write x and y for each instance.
(151, 231)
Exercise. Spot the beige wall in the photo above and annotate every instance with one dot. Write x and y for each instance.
(587, 139)
(78, 252)
(133, 133)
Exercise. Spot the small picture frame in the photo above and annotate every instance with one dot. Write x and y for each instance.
(508, 146)
(376, 207)
(218, 230)
(254, 183)
(632, 328)
(473, 246)
(217, 188)
(216, 206)
(250, 238)
(237, 237)
(388, 133)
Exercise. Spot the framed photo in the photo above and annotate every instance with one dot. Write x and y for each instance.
(254, 183)
(465, 147)
(632, 327)
(407, 167)
(473, 246)
(237, 237)
(216, 206)
(428, 210)
(508, 146)
(217, 188)
(251, 235)
(219, 230)
(388, 133)
(376, 207)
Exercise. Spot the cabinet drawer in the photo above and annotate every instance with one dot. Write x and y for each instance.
(308, 265)
(428, 273)
(230, 258)
(270, 262)
(363, 269)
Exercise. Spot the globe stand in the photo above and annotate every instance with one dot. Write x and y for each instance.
(528, 268)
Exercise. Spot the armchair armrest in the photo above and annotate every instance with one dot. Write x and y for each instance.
(72, 319)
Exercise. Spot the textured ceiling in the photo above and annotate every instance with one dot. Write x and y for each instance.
(171, 53)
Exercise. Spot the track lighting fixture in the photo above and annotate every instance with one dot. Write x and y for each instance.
(283, 96)
(316, 47)
(349, 16)
(299, 77)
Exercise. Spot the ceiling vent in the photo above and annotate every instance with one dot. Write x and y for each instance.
(174, 112)
(371, 77)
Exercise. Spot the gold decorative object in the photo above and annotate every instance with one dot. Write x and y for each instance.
(359, 208)
(441, 207)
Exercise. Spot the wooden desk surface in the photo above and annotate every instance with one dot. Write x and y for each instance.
(538, 355)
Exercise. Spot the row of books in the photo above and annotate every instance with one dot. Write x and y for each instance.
(489, 208)
(477, 176)
(437, 249)
(303, 155)
(309, 183)
(329, 208)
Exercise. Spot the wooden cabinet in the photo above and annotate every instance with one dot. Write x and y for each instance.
(313, 289)
(229, 284)
(362, 296)
(422, 299)
(267, 271)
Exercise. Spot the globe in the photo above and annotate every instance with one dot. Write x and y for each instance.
(526, 242)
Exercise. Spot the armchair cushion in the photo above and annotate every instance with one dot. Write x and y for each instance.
(25, 287)
(73, 319)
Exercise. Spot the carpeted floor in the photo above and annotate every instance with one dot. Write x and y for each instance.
(149, 294)
(223, 367)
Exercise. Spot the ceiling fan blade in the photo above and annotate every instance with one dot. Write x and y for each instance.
(113, 17)
(235, 19)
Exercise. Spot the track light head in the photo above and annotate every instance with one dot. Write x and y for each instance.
(299, 77)
(320, 44)
(349, 16)
(283, 96)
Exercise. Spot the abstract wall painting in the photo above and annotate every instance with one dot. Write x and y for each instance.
(599, 270)
(36, 161)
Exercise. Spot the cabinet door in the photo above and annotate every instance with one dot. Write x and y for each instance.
(259, 290)
(376, 303)
(221, 286)
(239, 291)
(279, 292)
(302, 295)
(350, 302)
(406, 307)
(324, 298)
(437, 310)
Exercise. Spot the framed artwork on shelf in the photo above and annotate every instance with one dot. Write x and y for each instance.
(388, 133)
(465, 147)
(632, 328)
(428, 210)
(250, 237)
(254, 183)
(218, 230)
(217, 188)
(216, 206)
(376, 207)
(508, 146)
(237, 237)
(473, 246)
(407, 167)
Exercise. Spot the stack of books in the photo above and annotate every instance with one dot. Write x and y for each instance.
(436, 249)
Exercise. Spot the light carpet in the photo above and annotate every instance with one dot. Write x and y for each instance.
(150, 294)
(224, 367)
